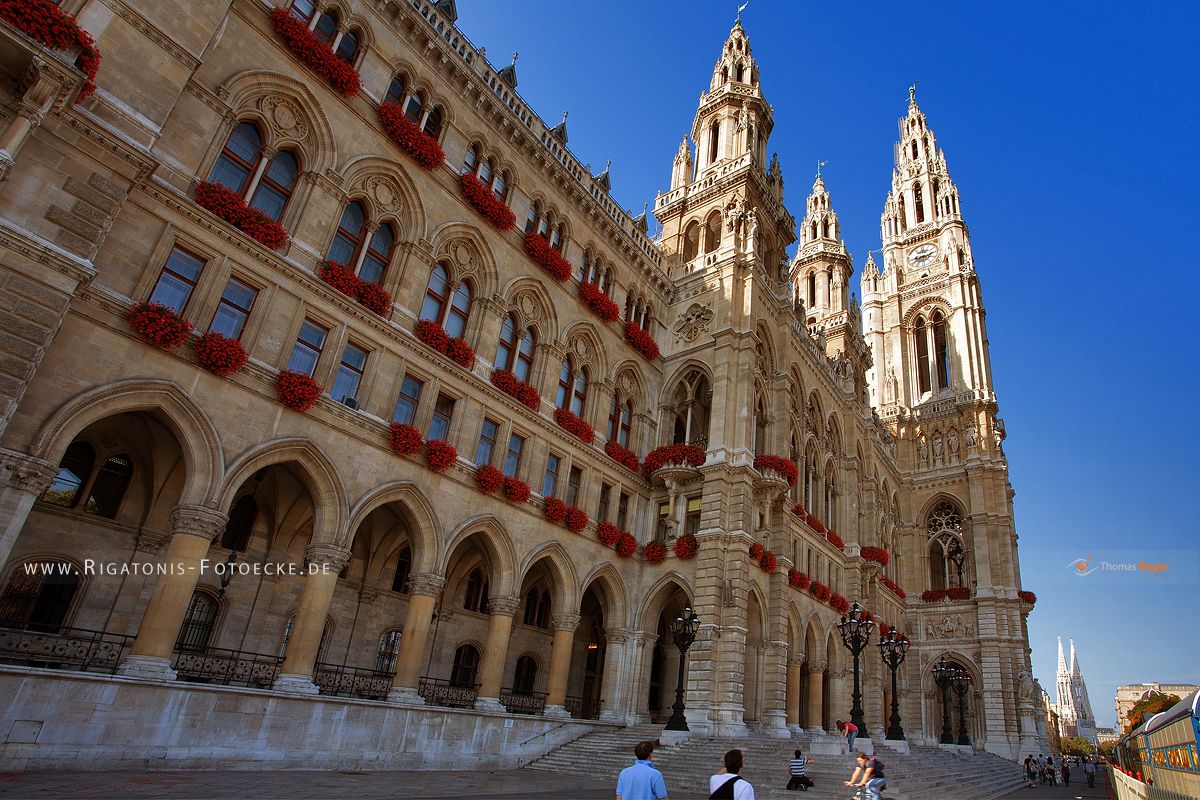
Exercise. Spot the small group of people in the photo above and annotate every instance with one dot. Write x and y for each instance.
(1042, 771)
(643, 781)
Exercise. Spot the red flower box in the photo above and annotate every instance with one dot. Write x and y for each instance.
(958, 593)
(229, 206)
(1027, 597)
(404, 439)
(626, 545)
(933, 595)
(768, 562)
(368, 293)
(435, 336)
(819, 591)
(554, 510)
(577, 519)
(890, 584)
(756, 551)
(570, 422)
(158, 325)
(839, 604)
(296, 390)
(461, 353)
(622, 455)
(797, 579)
(608, 534)
(516, 491)
(373, 297)
(691, 455)
(319, 56)
(654, 552)
(641, 341)
(546, 256)
(876, 554)
(785, 468)
(835, 540)
(47, 23)
(506, 382)
(687, 546)
(884, 629)
(483, 200)
(598, 302)
(219, 354)
(489, 479)
(440, 455)
(423, 148)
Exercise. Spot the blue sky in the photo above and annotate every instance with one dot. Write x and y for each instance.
(1069, 130)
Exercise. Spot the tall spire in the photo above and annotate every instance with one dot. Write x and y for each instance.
(1074, 661)
(1062, 659)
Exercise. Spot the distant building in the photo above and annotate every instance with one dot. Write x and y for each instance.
(1052, 737)
(1130, 694)
(1104, 735)
(1075, 717)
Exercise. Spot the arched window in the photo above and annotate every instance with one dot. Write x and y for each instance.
(326, 29)
(712, 232)
(433, 122)
(918, 201)
(74, 470)
(740, 73)
(198, 623)
(96, 491)
(476, 596)
(347, 48)
(38, 595)
(525, 676)
(349, 237)
(466, 666)
(714, 136)
(108, 488)
(471, 159)
(415, 107)
(605, 281)
(691, 241)
(515, 351)
(830, 498)
(941, 351)
(556, 237)
(810, 481)
(760, 426)
(914, 149)
(931, 342)
(276, 186)
(572, 388)
(692, 401)
(544, 222)
(389, 649)
(304, 9)
(379, 253)
(239, 158)
(921, 337)
(947, 554)
(620, 418)
(240, 524)
(403, 569)
(449, 312)
(500, 186)
(485, 172)
(531, 221)
(397, 90)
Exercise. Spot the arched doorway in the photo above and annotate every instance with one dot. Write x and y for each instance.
(752, 671)
(662, 606)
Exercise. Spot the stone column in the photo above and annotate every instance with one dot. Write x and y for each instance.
(495, 652)
(325, 561)
(816, 680)
(27, 478)
(192, 530)
(642, 644)
(423, 593)
(613, 693)
(793, 694)
(560, 664)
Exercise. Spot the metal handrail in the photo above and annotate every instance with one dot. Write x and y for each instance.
(76, 649)
(339, 680)
(217, 665)
(441, 692)
(579, 708)
(521, 702)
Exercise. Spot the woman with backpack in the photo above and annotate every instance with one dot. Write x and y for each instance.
(728, 784)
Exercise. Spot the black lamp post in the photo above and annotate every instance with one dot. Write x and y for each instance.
(856, 628)
(943, 673)
(227, 573)
(961, 684)
(892, 648)
(683, 630)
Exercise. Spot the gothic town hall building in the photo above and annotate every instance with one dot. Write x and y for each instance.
(346, 417)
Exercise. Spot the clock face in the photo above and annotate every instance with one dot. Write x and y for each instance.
(922, 255)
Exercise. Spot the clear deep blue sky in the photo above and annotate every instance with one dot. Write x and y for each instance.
(1070, 130)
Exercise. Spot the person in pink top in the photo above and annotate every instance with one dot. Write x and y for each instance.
(849, 731)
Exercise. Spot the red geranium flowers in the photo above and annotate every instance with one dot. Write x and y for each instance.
(506, 382)
(220, 355)
(435, 336)
(691, 455)
(158, 325)
(46, 22)
(876, 554)
(598, 302)
(315, 53)
(229, 206)
(622, 455)
(483, 200)
(641, 341)
(546, 256)
(423, 148)
(369, 294)
(572, 424)
(296, 390)
(404, 439)
(687, 546)
(778, 464)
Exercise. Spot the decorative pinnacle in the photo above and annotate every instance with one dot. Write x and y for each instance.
(819, 165)
(515, 56)
(912, 92)
(741, 8)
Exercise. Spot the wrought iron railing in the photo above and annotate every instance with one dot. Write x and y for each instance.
(223, 667)
(338, 680)
(522, 702)
(69, 648)
(439, 692)
(582, 708)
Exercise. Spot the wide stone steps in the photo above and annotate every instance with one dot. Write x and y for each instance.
(929, 773)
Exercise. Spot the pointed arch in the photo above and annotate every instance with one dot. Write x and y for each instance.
(496, 543)
(581, 338)
(566, 592)
(330, 508)
(655, 599)
(528, 298)
(629, 372)
(193, 429)
(768, 351)
(392, 193)
(288, 109)
(606, 581)
(425, 535)
(463, 247)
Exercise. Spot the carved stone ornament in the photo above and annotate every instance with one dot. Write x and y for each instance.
(583, 349)
(503, 606)
(385, 192)
(328, 557)
(198, 521)
(528, 307)
(627, 384)
(950, 627)
(28, 474)
(426, 585)
(287, 118)
(565, 622)
(693, 322)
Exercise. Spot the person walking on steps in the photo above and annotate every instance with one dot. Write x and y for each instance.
(868, 774)
(850, 732)
(1031, 777)
(797, 767)
(727, 784)
(1089, 772)
(1066, 773)
(642, 780)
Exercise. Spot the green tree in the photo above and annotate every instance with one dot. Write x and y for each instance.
(1075, 746)
(1144, 709)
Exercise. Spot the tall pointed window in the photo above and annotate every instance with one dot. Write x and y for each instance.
(466, 666)
(515, 351)
(620, 417)
(572, 387)
(921, 336)
(691, 404)
(919, 202)
(712, 232)
(450, 312)
(714, 138)
(941, 351)
(476, 596)
(931, 341)
(691, 241)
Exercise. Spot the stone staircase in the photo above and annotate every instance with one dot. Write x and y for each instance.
(928, 773)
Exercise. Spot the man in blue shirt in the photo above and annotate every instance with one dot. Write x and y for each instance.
(641, 781)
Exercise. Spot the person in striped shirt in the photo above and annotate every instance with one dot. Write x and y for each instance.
(796, 769)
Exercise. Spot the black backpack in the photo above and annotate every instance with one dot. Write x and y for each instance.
(725, 790)
(877, 765)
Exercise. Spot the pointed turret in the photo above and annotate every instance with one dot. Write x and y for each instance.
(1074, 661)
(820, 272)
(1062, 660)
(681, 171)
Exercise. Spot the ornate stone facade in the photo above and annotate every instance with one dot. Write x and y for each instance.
(353, 570)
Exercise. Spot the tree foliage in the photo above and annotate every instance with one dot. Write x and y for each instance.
(1076, 746)
(1144, 709)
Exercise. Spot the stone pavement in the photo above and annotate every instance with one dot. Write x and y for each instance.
(512, 784)
(1078, 790)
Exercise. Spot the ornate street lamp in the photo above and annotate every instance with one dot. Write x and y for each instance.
(892, 648)
(943, 673)
(961, 684)
(683, 630)
(856, 628)
(227, 574)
